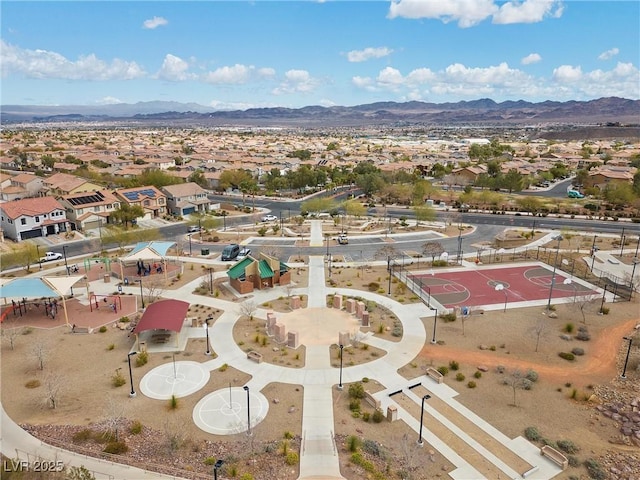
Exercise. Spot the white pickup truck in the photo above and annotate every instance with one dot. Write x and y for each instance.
(49, 256)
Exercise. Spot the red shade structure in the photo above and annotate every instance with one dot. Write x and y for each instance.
(163, 315)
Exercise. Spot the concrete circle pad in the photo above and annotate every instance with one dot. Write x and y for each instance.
(180, 379)
(224, 412)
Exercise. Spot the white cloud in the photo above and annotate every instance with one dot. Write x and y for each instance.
(609, 54)
(154, 22)
(296, 81)
(234, 75)
(531, 58)
(46, 64)
(174, 69)
(471, 12)
(567, 74)
(109, 101)
(364, 83)
(528, 11)
(266, 72)
(368, 53)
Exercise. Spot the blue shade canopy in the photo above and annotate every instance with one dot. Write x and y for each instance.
(145, 250)
(27, 288)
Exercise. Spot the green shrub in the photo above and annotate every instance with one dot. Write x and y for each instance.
(246, 476)
(378, 416)
(354, 405)
(288, 435)
(356, 390)
(223, 367)
(471, 384)
(568, 446)
(569, 328)
(210, 461)
(111, 346)
(173, 402)
(531, 434)
(373, 286)
(371, 447)
(353, 443)
(605, 310)
(366, 416)
(102, 329)
(443, 370)
(595, 470)
(567, 356)
(116, 448)
(478, 374)
(460, 377)
(532, 375)
(117, 380)
(291, 458)
(448, 317)
(142, 359)
(83, 435)
(453, 365)
(136, 427)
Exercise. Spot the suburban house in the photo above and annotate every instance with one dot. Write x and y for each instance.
(600, 177)
(64, 184)
(250, 274)
(152, 200)
(88, 210)
(32, 217)
(467, 175)
(186, 198)
(23, 185)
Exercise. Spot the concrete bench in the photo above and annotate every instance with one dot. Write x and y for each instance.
(77, 329)
(254, 356)
(555, 456)
(435, 375)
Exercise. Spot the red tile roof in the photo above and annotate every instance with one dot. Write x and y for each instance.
(30, 207)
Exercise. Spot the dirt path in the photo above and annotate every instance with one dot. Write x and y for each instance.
(597, 367)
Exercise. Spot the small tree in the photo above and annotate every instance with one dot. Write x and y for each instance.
(40, 352)
(538, 331)
(432, 249)
(517, 381)
(10, 332)
(248, 308)
(53, 386)
(585, 304)
(113, 417)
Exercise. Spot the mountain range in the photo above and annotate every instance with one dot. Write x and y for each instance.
(479, 112)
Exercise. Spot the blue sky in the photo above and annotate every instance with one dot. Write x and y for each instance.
(238, 55)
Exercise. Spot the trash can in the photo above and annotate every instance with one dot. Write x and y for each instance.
(107, 278)
(204, 251)
(126, 281)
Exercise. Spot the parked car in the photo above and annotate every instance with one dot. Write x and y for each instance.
(244, 252)
(230, 252)
(269, 218)
(342, 239)
(193, 229)
(49, 256)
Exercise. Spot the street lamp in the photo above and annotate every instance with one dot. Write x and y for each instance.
(553, 276)
(603, 295)
(340, 384)
(626, 360)
(389, 271)
(64, 252)
(224, 220)
(132, 393)
(500, 288)
(39, 257)
(206, 327)
(435, 322)
(216, 466)
(139, 280)
(246, 389)
(190, 250)
(426, 397)
(211, 280)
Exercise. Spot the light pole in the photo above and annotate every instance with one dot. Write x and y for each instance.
(500, 288)
(553, 275)
(190, 250)
(206, 327)
(246, 389)
(622, 242)
(636, 260)
(211, 280)
(224, 220)
(426, 397)
(141, 295)
(389, 272)
(216, 466)
(64, 252)
(340, 384)
(626, 360)
(326, 235)
(133, 392)
(39, 257)
(603, 295)
(435, 322)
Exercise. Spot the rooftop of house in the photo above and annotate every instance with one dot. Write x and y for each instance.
(30, 207)
(184, 190)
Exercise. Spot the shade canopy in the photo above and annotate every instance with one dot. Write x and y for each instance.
(165, 315)
(149, 251)
(19, 288)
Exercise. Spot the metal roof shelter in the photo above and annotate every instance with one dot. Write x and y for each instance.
(148, 251)
(19, 288)
(163, 315)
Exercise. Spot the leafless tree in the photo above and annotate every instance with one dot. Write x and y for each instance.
(113, 417)
(517, 381)
(10, 332)
(585, 303)
(408, 452)
(175, 435)
(538, 331)
(272, 251)
(386, 252)
(154, 288)
(54, 384)
(248, 308)
(40, 351)
(432, 249)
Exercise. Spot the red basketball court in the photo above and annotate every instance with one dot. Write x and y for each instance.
(477, 287)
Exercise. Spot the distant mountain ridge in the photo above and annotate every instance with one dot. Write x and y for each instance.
(481, 111)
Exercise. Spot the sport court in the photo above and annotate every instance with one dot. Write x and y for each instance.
(477, 287)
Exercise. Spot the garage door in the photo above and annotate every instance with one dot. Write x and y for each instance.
(187, 211)
(31, 234)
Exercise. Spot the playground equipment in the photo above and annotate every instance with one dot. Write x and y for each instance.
(114, 302)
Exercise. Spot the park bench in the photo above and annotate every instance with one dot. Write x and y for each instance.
(555, 456)
(434, 374)
(77, 329)
(254, 356)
